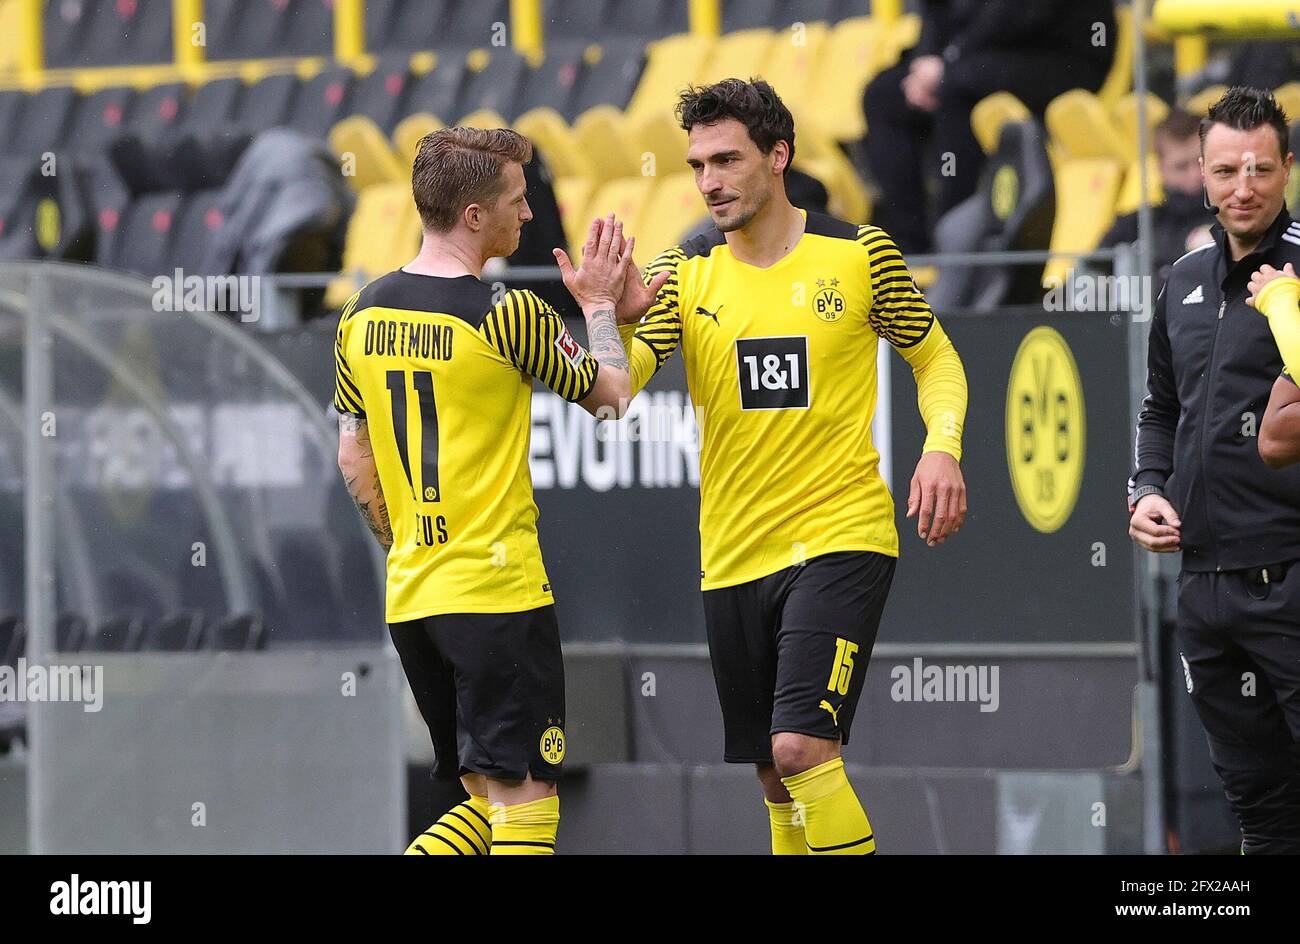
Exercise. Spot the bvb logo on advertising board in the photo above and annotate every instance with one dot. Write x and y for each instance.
(1006, 190)
(1045, 429)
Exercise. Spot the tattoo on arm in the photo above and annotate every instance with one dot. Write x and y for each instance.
(364, 486)
(604, 340)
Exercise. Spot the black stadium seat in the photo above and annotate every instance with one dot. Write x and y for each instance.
(381, 95)
(466, 23)
(177, 632)
(438, 92)
(158, 111)
(107, 32)
(13, 639)
(212, 104)
(979, 224)
(310, 29)
(11, 106)
(322, 102)
(397, 25)
(238, 633)
(554, 83)
(70, 630)
(613, 79)
(582, 20)
(199, 221)
(246, 29)
(268, 103)
(647, 19)
(98, 118)
(139, 238)
(496, 86)
(64, 32)
(117, 634)
(749, 14)
(44, 121)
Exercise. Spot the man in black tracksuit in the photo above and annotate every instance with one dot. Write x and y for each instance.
(1201, 487)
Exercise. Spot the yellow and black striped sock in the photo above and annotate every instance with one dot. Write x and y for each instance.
(834, 822)
(787, 829)
(462, 830)
(526, 828)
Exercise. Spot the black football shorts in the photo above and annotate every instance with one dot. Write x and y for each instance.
(491, 689)
(790, 649)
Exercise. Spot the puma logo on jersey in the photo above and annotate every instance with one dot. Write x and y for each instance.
(701, 310)
(835, 712)
(1194, 296)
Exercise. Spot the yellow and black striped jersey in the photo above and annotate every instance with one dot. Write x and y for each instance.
(443, 376)
(781, 366)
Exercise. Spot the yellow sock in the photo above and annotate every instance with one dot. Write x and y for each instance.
(526, 828)
(834, 822)
(462, 830)
(787, 829)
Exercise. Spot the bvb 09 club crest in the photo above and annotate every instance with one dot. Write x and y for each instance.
(828, 304)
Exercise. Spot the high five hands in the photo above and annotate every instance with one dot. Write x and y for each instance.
(608, 274)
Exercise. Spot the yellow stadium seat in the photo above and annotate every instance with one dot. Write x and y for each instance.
(549, 132)
(897, 37)
(573, 197)
(1120, 78)
(483, 118)
(1081, 127)
(674, 208)
(1288, 96)
(1126, 120)
(848, 197)
(792, 64)
(383, 234)
(991, 113)
(1086, 189)
(848, 62)
(627, 198)
(658, 134)
(10, 37)
(672, 63)
(407, 135)
(601, 135)
(363, 149)
(739, 55)
(1127, 201)
(1199, 104)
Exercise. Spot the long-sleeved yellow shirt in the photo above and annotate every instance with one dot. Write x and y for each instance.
(781, 366)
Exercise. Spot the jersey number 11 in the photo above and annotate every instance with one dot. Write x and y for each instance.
(427, 410)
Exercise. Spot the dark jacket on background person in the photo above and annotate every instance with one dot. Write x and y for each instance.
(1172, 222)
(1211, 364)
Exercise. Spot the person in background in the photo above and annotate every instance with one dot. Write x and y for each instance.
(1181, 223)
(969, 49)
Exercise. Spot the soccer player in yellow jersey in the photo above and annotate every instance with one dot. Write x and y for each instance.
(434, 376)
(1276, 295)
(777, 313)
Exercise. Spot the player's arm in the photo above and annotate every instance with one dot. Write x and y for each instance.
(357, 463)
(356, 456)
(1276, 295)
(651, 333)
(1154, 522)
(596, 286)
(1279, 433)
(901, 315)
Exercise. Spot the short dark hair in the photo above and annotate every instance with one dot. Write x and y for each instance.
(1178, 125)
(455, 167)
(1247, 109)
(754, 104)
